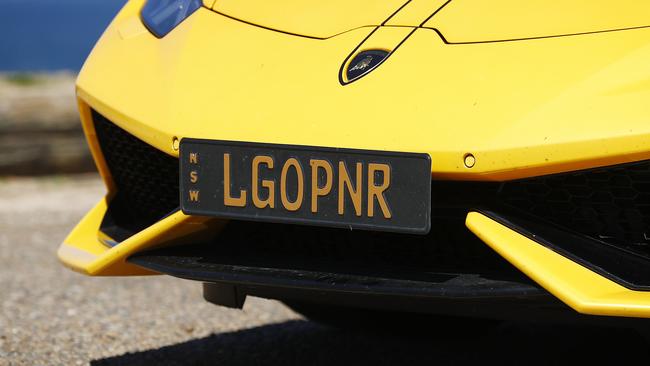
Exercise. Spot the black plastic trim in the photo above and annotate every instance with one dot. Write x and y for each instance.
(192, 262)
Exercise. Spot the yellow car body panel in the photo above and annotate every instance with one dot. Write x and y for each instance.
(415, 13)
(577, 286)
(84, 251)
(312, 18)
(520, 108)
(463, 21)
(88, 250)
(522, 111)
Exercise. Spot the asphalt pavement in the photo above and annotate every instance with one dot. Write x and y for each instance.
(52, 316)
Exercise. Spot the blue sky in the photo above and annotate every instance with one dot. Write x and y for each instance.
(51, 35)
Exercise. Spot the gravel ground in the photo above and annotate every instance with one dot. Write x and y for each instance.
(52, 316)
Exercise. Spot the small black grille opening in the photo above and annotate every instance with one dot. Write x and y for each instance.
(145, 177)
(609, 204)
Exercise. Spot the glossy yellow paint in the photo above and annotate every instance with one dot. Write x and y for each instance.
(521, 108)
(83, 250)
(90, 247)
(480, 20)
(583, 290)
(415, 13)
(95, 150)
(518, 107)
(385, 38)
(313, 18)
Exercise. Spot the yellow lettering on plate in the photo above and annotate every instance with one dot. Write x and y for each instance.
(228, 199)
(377, 191)
(317, 191)
(355, 193)
(194, 196)
(194, 158)
(268, 184)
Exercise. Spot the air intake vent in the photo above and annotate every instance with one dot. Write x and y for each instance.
(145, 177)
(610, 204)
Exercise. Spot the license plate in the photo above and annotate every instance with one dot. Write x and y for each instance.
(353, 189)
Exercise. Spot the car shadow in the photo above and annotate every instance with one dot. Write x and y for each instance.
(307, 343)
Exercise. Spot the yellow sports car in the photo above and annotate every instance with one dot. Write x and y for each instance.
(461, 157)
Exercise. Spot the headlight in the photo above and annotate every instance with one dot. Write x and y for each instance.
(161, 16)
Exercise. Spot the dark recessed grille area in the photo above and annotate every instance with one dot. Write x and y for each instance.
(448, 248)
(145, 177)
(610, 204)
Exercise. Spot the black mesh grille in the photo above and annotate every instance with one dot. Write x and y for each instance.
(610, 204)
(146, 179)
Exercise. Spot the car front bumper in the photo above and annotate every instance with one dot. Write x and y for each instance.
(216, 78)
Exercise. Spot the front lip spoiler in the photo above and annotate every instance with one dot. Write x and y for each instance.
(580, 287)
(203, 262)
(84, 250)
(616, 264)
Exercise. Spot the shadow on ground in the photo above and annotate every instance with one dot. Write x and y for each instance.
(305, 343)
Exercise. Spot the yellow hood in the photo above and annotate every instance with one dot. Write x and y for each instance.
(459, 21)
(465, 21)
(312, 18)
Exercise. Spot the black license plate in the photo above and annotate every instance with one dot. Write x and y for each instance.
(354, 189)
